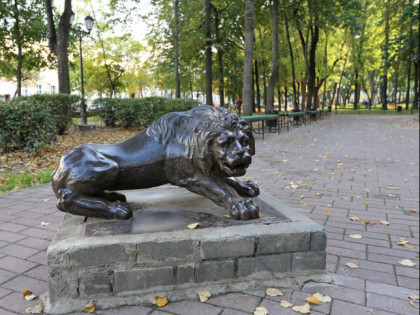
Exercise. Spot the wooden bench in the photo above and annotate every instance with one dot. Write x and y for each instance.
(262, 119)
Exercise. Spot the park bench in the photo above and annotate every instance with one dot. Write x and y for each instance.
(262, 121)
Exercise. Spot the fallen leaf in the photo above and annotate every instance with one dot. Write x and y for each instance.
(352, 265)
(409, 246)
(285, 304)
(344, 198)
(317, 194)
(327, 211)
(225, 216)
(314, 140)
(160, 301)
(357, 236)
(90, 308)
(259, 155)
(44, 223)
(372, 312)
(354, 218)
(204, 295)
(384, 222)
(407, 263)
(273, 292)
(26, 292)
(411, 175)
(295, 186)
(30, 297)
(35, 310)
(303, 309)
(278, 173)
(260, 311)
(313, 300)
(323, 298)
(414, 304)
(366, 189)
(414, 211)
(193, 226)
(366, 202)
(47, 200)
(392, 188)
(412, 296)
(368, 222)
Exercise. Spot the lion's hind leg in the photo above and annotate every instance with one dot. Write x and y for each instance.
(92, 206)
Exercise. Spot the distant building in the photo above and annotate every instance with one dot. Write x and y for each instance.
(45, 82)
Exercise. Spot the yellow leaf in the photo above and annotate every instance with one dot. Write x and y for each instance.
(414, 304)
(313, 300)
(204, 295)
(368, 222)
(47, 200)
(414, 210)
(344, 198)
(90, 308)
(30, 297)
(357, 236)
(278, 173)
(339, 148)
(373, 150)
(44, 223)
(352, 265)
(260, 311)
(407, 263)
(317, 194)
(354, 218)
(384, 222)
(412, 296)
(411, 175)
(327, 211)
(295, 186)
(35, 310)
(366, 202)
(160, 301)
(193, 226)
(409, 246)
(297, 142)
(402, 241)
(26, 292)
(372, 312)
(314, 140)
(285, 304)
(303, 309)
(366, 189)
(273, 292)
(259, 155)
(323, 298)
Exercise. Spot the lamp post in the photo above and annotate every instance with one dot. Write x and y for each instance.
(89, 25)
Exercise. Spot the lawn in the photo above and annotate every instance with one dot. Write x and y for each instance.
(20, 169)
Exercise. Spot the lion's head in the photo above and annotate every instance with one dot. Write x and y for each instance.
(213, 139)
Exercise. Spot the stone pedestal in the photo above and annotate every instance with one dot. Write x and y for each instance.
(85, 128)
(129, 262)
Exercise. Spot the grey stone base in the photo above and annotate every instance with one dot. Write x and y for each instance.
(127, 266)
(85, 128)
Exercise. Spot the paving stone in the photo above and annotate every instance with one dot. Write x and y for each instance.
(349, 282)
(345, 308)
(274, 307)
(412, 283)
(298, 298)
(388, 290)
(4, 292)
(386, 303)
(238, 301)
(12, 227)
(18, 251)
(10, 237)
(34, 242)
(40, 258)
(368, 275)
(191, 307)
(229, 311)
(126, 310)
(40, 272)
(6, 275)
(16, 265)
(15, 303)
(20, 283)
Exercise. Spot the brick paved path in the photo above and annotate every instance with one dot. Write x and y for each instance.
(343, 164)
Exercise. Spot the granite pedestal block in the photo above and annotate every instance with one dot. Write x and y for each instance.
(129, 262)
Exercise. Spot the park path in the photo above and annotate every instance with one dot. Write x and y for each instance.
(364, 166)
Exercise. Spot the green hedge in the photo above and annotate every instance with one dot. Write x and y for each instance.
(31, 123)
(138, 112)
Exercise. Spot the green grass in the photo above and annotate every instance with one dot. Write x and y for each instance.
(90, 119)
(15, 180)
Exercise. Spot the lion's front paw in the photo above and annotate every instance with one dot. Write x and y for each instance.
(121, 211)
(250, 188)
(244, 210)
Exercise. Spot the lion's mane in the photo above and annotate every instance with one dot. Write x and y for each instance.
(196, 129)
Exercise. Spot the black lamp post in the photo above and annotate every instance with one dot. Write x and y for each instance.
(89, 25)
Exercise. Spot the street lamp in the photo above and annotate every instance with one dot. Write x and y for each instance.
(89, 25)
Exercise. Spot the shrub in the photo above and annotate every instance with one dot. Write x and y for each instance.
(61, 106)
(26, 126)
(139, 111)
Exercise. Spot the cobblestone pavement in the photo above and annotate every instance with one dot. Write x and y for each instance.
(345, 166)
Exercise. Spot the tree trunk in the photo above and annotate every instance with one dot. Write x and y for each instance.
(274, 59)
(219, 58)
(333, 101)
(19, 46)
(341, 78)
(295, 103)
(407, 93)
(257, 83)
(312, 94)
(416, 82)
(58, 43)
(385, 59)
(209, 75)
(356, 88)
(248, 58)
(191, 89)
(325, 66)
(176, 53)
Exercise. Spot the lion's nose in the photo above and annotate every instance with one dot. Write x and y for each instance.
(238, 149)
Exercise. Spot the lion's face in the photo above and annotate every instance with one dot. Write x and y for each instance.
(232, 152)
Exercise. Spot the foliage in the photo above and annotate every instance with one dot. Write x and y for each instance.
(138, 111)
(27, 126)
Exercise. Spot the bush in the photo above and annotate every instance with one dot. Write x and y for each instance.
(26, 126)
(138, 111)
(61, 106)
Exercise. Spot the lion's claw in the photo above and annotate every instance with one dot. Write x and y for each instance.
(121, 211)
(244, 210)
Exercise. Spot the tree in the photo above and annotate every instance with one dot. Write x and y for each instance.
(384, 86)
(176, 53)
(58, 41)
(248, 58)
(275, 56)
(209, 76)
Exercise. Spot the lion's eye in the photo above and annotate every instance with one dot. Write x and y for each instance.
(244, 142)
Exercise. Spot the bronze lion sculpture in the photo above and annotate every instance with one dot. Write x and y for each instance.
(202, 150)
